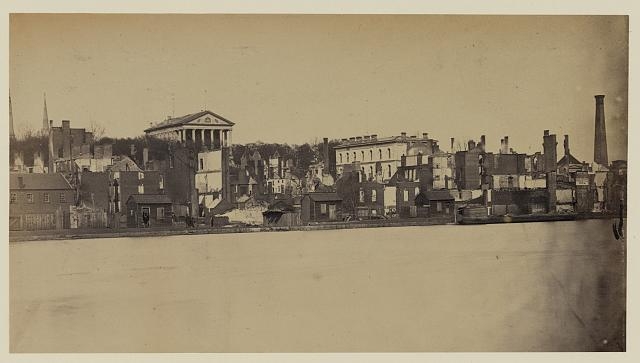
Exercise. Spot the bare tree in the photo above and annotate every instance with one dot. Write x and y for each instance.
(97, 130)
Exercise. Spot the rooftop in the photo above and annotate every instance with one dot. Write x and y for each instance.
(150, 198)
(54, 181)
(374, 140)
(177, 121)
(324, 196)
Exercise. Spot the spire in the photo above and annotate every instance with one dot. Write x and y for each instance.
(12, 134)
(45, 115)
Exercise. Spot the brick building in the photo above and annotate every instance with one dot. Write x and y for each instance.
(34, 200)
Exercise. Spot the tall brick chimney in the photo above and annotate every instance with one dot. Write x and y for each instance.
(600, 142)
(550, 152)
(566, 145)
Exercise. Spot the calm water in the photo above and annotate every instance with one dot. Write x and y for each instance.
(520, 287)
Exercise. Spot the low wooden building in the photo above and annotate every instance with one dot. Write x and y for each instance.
(281, 214)
(157, 206)
(435, 203)
(39, 201)
(321, 207)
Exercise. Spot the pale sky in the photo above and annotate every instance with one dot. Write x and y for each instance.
(294, 78)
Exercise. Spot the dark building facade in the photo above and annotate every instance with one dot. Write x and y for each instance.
(34, 199)
(321, 207)
(156, 206)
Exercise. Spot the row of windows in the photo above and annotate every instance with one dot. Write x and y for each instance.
(362, 153)
(374, 196)
(364, 174)
(46, 198)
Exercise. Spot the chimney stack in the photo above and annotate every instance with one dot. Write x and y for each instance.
(452, 140)
(325, 152)
(506, 145)
(550, 154)
(483, 140)
(472, 145)
(145, 157)
(403, 134)
(566, 145)
(425, 135)
(600, 142)
(374, 136)
(501, 145)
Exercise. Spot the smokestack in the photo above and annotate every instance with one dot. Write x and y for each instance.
(403, 134)
(483, 140)
(452, 140)
(145, 157)
(506, 145)
(325, 151)
(550, 153)
(566, 145)
(425, 135)
(600, 142)
(501, 145)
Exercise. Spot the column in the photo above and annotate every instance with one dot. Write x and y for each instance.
(182, 135)
(213, 145)
(202, 136)
(229, 138)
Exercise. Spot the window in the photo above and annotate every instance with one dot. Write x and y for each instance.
(389, 170)
(140, 175)
(170, 162)
(374, 197)
(141, 189)
(354, 156)
(160, 213)
(406, 195)
(380, 154)
(340, 158)
(347, 157)
(361, 195)
(14, 198)
(362, 155)
(389, 153)
(417, 191)
(29, 198)
(370, 154)
(131, 212)
(323, 208)
(161, 183)
(62, 198)
(46, 198)
(371, 171)
(439, 206)
(201, 164)
(116, 175)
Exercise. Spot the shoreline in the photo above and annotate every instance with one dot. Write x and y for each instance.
(32, 236)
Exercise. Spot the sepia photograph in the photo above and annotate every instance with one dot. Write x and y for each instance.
(317, 183)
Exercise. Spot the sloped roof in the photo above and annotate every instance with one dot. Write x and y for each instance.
(53, 181)
(150, 198)
(324, 197)
(568, 159)
(121, 164)
(177, 121)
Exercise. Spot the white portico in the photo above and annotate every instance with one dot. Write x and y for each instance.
(205, 128)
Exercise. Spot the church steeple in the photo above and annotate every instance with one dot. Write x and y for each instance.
(45, 115)
(12, 134)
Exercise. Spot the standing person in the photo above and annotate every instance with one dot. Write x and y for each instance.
(145, 219)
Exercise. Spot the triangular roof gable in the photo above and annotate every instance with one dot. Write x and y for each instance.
(182, 120)
(202, 117)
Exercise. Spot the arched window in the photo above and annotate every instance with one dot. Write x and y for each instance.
(354, 156)
(370, 154)
(340, 158)
(380, 154)
(347, 157)
(389, 153)
(373, 196)
(362, 155)
(371, 172)
(389, 170)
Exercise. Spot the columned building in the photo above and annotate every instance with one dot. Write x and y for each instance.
(204, 128)
(210, 134)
